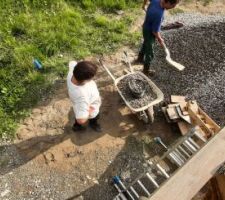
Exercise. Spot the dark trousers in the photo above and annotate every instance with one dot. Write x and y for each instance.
(147, 49)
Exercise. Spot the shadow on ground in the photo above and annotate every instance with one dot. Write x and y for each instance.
(115, 123)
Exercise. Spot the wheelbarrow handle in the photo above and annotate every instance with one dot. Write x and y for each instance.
(128, 61)
(106, 69)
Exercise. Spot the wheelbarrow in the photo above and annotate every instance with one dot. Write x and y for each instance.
(145, 113)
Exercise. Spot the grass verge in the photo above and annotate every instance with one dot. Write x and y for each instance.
(48, 30)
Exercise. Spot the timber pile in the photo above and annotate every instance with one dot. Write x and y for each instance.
(188, 114)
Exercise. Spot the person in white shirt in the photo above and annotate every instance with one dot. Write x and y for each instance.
(84, 95)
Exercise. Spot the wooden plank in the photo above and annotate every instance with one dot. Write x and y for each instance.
(172, 113)
(198, 121)
(184, 127)
(189, 179)
(201, 132)
(221, 185)
(185, 113)
(209, 121)
(172, 105)
(177, 99)
(166, 115)
(193, 105)
(199, 117)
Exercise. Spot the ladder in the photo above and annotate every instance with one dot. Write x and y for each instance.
(178, 155)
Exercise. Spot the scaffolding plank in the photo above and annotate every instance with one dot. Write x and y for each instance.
(189, 179)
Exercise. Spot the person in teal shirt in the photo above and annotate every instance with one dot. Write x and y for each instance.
(151, 29)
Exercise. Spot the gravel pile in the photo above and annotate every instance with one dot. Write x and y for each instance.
(148, 96)
(200, 47)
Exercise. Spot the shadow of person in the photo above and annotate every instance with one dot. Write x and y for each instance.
(129, 160)
(115, 119)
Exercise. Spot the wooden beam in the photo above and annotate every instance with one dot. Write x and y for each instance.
(189, 179)
(221, 185)
(177, 99)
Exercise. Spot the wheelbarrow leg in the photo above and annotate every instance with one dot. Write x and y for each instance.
(150, 113)
(142, 115)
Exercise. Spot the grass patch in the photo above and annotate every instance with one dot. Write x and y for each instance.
(176, 11)
(45, 29)
(203, 2)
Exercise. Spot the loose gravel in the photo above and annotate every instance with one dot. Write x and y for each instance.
(148, 96)
(200, 47)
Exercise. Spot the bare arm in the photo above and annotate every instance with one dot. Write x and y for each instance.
(144, 5)
(159, 37)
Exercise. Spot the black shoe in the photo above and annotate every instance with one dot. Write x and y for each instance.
(149, 72)
(139, 60)
(77, 127)
(96, 127)
(93, 123)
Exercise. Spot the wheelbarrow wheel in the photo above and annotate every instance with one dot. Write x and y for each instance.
(150, 113)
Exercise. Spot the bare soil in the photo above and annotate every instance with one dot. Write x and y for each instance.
(49, 161)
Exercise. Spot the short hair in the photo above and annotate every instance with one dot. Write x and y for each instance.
(84, 70)
(172, 1)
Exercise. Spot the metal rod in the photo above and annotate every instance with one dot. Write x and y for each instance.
(144, 188)
(171, 155)
(194, 143)
(123, 197)
(190, 149)
(162, 170)
(117, 197)
(134, 191)
(185, 152)
(199, 136)
(174, 159)
(152, 180)
(159, 141)
(117, 181)
(180, 154)
(190, 145)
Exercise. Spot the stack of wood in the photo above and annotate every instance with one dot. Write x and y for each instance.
(188, 114)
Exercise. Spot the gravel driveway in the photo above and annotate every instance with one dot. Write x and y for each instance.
(199, 46)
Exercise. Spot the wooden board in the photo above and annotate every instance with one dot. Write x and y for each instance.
(166, 115)
(172, 113)
(221, 185)
(199, 117)
(177, 99)
(189, 179)
(184, 127)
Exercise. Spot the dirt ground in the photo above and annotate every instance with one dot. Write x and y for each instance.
(49, 161)
(47, 145)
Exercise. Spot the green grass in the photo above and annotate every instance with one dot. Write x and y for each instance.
(176, 11)
(203, 2)
(44, 29)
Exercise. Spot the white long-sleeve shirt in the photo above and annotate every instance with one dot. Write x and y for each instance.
(83, 96)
